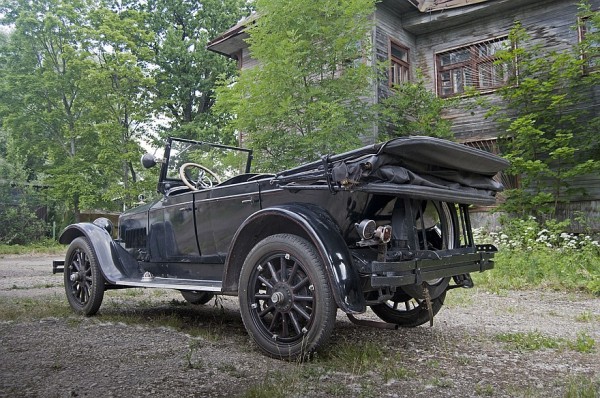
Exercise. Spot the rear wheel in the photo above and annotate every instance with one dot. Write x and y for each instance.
(406, 311)
(437, 229)
(285, 300)
(84, 282)
(197, 297)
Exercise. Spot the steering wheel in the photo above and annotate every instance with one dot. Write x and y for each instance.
(203, 180)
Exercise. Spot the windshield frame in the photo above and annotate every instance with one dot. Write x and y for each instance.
(167, 182)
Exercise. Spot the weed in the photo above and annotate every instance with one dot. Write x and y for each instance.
(532, 341)
(356, 358)
(582, 387)
(192, 361)
(585, 316)
(273, 386)
(442, 382)
(486, 390)
(529, 341)
(27, 308)
(584, 343)
(338, 390)
(397, 373)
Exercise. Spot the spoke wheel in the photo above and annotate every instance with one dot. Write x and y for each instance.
(84, 282)
(285, 300)
(408, 306)
(406, 311)
(197, 297)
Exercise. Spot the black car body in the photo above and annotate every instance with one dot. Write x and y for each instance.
(385, 226)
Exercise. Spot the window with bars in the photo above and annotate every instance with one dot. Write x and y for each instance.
(399, 66)
(591, 54)
(471, 66)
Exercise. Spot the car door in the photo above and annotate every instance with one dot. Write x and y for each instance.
(179, 228)
(219, 215)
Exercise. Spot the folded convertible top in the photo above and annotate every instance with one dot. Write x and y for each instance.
(416, 167)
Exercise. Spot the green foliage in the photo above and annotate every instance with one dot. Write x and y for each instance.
(582, 387)
(412, 109)
(19, 225)
(18, 201)
(550, 138)
(187, 72)
(532, 341)
(306, 97)
(81, 82)
(531, 255)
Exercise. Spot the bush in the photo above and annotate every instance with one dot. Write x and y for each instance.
(533, 255)
(19, 225)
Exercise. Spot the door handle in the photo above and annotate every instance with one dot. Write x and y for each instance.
(185, 209)
(250, 201)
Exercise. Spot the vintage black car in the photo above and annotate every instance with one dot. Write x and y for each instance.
(384, 227)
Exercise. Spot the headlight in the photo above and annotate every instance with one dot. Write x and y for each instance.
(105, 223)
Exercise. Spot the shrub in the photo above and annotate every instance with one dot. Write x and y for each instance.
(534, 255)
(19, 225)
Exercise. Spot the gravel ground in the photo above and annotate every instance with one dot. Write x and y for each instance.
(460, 356)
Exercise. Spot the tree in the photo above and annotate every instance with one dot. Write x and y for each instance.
(74, 97)
(550, 138)
(186, 72)
(44, 96)
(307, 97)
(412, 109)
(122, 99)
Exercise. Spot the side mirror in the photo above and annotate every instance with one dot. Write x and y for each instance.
(148, 160)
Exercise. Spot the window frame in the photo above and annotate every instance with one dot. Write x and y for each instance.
(397, 61)
(474, 63)
(591, 64)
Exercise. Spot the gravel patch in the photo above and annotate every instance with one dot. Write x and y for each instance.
(461, 355)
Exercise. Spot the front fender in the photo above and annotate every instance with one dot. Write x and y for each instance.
(315, 225)
(110, 255)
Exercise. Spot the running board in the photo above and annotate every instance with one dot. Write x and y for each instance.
(172, 283)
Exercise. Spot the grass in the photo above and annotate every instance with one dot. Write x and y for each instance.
(43, 247)
(532, 341)
(542, 268)
(26, 308)
(582, 387)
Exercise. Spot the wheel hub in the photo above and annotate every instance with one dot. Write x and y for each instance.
(77, 276)
(282, 297)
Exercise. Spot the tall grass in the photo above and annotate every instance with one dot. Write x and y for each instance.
(533, 256)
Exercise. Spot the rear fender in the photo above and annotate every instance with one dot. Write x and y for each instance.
(313, 224)
(111, 256)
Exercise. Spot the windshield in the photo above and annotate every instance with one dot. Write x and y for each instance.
(224, 161)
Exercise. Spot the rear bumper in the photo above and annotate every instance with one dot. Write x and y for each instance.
(410, 272)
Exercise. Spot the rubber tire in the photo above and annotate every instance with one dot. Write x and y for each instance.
(409, 319)
(197, 297)
(96, 283)
(324, 308)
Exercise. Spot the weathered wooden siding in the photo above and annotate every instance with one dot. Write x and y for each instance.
(549, 23)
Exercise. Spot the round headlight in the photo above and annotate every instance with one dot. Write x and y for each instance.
(105, 223)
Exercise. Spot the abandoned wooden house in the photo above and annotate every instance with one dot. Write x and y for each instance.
(451, 43)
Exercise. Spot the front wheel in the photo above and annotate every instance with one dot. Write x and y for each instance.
(84, 282)
(285, 300)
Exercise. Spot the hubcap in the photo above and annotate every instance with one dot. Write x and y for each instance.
(277, 297)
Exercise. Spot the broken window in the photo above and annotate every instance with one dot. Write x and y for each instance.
(399, 66)
(472, 66)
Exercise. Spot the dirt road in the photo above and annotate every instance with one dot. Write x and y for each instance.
(151, 343)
